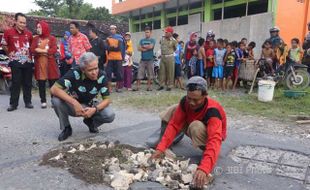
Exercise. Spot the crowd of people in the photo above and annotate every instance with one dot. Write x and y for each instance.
(216, 60)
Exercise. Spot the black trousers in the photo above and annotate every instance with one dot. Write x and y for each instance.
(42, 88)
(21, 77)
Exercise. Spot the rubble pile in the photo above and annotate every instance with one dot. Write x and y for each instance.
(121, 165)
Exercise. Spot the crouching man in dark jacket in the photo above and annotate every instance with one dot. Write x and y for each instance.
(74, 94)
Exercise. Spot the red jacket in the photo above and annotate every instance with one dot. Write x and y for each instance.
(212, 115)
(52, 67)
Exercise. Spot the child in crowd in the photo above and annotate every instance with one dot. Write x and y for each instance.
(217, 72)
(230, 58)
(201, 58)
(183, 64)
(193, 63)
(239, 59)
(209, 61)
(127, 64)
(295, 53)
(178, 63)
(244, 41)
(268, 54)
(225, 43)
(249, 51)
(281, 53)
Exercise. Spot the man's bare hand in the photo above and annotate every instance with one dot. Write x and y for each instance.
(89, 112)
(78, 108)
(157, 155)
(201, 178)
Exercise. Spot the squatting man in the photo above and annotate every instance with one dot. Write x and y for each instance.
(202, 119)
(74, 94)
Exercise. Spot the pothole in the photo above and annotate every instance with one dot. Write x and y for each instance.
(119, 165)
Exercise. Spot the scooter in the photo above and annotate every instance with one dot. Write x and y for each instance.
(5, 74)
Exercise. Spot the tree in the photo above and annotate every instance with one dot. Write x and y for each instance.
(48, 7)
(73, 9)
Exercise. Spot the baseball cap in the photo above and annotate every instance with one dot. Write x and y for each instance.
(128, 33)
(169, 29)
(197, 80)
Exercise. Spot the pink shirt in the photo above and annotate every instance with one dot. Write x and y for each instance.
(78, 45)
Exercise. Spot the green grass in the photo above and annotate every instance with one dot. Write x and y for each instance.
(280, 108)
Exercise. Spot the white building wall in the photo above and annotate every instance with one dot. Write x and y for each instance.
(254, 28)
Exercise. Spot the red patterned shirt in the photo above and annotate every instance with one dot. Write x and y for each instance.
(18, 44)
(78, 45)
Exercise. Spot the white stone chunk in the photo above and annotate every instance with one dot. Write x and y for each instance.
(187, 178)
(72, 151)
(58, 157)
(92, 146)
(81, 147)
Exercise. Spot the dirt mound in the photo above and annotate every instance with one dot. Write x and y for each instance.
(87, 164)
(118, 165)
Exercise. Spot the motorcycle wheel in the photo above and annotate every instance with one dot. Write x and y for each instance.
(5, 86)
(297, 85)
(134, 76)
(156, 75)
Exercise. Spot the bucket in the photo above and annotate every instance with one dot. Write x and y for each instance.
(265, 90)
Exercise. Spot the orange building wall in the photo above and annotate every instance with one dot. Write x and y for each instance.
(290, 17)
(128, 5)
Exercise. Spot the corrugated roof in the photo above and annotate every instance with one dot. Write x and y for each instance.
(60, 25)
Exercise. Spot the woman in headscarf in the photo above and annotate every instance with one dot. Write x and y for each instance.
(190, 47)
(44, 48)
(66, 59)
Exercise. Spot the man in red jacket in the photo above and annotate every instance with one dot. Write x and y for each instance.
(203, 120)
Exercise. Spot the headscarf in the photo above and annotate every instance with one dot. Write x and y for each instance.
(67, 33)
(190, 46)
(68, 55)
(192, 36)
(45, 29)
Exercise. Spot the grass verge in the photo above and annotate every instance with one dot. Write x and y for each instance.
(280, 108)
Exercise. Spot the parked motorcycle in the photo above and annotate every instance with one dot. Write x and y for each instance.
(5, 74)
(293, 75)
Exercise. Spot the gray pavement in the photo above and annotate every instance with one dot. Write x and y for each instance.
(248, 160)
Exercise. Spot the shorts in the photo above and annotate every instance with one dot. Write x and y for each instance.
(115, 67)
(208, 72)
(178, 72)
(228, 72)
(217, 72)
(147, 66)
(236, 73)
(199, 68)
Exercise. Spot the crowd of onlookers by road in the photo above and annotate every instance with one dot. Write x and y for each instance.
(217, 60)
